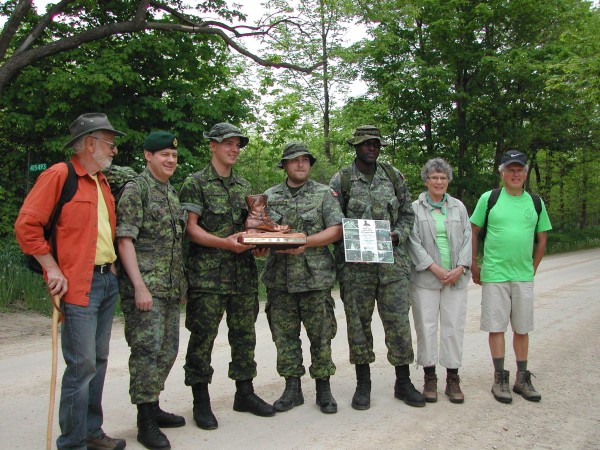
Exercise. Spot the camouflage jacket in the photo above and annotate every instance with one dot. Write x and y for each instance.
(311, 210)
(149, 212)
(377, 200)
(222, 211)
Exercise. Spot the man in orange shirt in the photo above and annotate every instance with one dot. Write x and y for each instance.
(82, 274)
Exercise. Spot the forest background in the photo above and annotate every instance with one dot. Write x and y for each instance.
(465, 80)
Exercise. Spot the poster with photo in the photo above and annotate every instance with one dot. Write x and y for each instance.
(367, 241)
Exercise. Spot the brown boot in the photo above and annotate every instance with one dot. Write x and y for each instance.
(430, 388)
(453, 388)
(258, 219)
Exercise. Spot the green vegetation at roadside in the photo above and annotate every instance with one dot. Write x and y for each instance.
(23, 290)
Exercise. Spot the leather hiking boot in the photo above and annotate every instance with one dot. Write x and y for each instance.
(149, 435)
(405, 391)
(258, 219)
(430, 387)
(105, 442)
(453, 388)
(292, 395)
(166, 419)
(203, 415)
(246, 400)
(325, 399)
(524, 387)
(500, 388)
(362, 395)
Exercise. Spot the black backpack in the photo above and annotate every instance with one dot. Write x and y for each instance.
(67, 193)
(493, 198)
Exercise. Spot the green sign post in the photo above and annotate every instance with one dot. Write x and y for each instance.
(38, 167)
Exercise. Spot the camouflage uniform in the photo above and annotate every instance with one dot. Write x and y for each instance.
(149, 212)
(299, 286)
(219, 280)
(362, 284)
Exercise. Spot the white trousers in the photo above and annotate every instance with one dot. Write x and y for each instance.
(445, 306)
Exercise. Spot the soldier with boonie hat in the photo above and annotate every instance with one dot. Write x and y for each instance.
(222, 275)
(374, 190)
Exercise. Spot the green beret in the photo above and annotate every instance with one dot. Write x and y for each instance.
(293, 150)
(159, 140)
(225, 130)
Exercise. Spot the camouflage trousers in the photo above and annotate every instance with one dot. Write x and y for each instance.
(285, 313)
(153, 337)
(359, 296)
(204, 312)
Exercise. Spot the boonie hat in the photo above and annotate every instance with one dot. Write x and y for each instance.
(87, 123)
(293, 150)
(159, 140)
(364, 133)
(225, 130)
(514, 156)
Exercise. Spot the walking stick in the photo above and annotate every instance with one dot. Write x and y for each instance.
(56, 318)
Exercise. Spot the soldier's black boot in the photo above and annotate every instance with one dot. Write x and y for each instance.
(203, 415)
(247, 401)
(292, 395)
(362, 395)
(149, 435)
(324, 397)
(166, 419)
(404, 389)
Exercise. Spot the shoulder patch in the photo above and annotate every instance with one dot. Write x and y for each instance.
(334, 193)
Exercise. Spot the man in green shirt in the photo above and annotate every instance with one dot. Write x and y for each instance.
(514, 245)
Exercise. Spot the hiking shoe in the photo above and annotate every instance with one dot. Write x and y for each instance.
(430, 388)
(524, 387)
(500, 388)
(453, 388)
(105, 442)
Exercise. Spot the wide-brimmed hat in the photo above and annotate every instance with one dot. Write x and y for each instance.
(225, 130)
(364, 133)
(87, 123)
(514, 156)
(159, 140)
(293, 150)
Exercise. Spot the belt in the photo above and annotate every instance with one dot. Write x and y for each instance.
(103, 268)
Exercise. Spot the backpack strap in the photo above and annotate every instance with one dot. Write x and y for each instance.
(492, 199)
(345, 183)
(67, 193)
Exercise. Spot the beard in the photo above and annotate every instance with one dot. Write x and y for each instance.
(103, 161)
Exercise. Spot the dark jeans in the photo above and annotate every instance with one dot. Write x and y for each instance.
(85, 337)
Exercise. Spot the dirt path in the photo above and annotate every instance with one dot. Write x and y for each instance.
(564, 356)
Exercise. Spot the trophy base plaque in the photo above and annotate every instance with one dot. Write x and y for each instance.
(274, 240)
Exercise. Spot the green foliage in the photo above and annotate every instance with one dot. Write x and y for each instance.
(22, 289)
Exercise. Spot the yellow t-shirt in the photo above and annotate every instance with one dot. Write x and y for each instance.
(105, 249)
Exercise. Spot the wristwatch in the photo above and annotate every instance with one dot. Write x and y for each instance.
(465, 269)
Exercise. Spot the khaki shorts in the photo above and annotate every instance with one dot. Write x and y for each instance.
(509, 300)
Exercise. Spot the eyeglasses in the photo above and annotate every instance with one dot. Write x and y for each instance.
(515, 171)
(442, 179)
(111, 145)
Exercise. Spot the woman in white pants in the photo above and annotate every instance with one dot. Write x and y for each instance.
(440, 250)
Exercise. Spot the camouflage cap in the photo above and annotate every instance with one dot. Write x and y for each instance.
(225, 130)
(293, 150)
(159, 140)
(364, 133)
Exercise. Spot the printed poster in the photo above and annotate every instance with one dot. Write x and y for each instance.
(368, 241)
